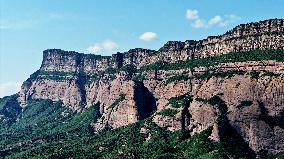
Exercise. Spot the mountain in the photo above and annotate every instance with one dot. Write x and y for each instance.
(221, 97)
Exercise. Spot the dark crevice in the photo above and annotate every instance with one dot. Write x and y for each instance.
(185, 116)
(97, 112)
(272, 121)
(119, 60)
(231, 142)
(81, 81)
(145, 100)
(156, 74)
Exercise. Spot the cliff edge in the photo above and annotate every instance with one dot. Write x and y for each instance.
(232, 82)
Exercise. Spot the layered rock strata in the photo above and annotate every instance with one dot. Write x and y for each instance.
(250, 91)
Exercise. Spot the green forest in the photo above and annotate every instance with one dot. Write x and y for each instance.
(46, 129)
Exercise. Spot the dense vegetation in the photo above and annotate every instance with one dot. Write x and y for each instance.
(9, 109)
(46, 129)
(44, 121)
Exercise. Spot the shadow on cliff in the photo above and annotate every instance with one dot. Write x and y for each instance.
(231, 142)
(145, 100)
(186, 116)
(272, 121)
(81, 82)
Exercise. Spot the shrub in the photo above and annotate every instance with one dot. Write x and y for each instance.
(180, 101)
(129, 68)
(153, 66)
(254, 74)
(120, 98)
(228, 74)
(201, 100)
(139, 77)
(214, 100)
(168, 112)
(279, 155)
(110, 70)
(270, 74)
(181, 77)
(245, 104)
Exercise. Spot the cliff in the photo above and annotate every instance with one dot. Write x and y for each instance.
(231, 82)
(261, 35)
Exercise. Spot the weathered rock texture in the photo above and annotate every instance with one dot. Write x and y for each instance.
(80, 80)
(262, 35)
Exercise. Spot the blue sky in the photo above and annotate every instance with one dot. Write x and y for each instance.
(27, 27)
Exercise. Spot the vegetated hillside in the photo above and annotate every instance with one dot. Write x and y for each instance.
(45, 129)
(222, 97)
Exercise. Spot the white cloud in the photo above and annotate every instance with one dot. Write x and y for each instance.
(148, 36)
(217, 20)
(232, 17)
(199, 24)
(9, 88)
(106, 45)
(192, 14)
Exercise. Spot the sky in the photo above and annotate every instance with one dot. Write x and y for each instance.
(27, 27)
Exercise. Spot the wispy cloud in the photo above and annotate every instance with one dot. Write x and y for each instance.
(148, 36)
(16, 24)
(106, 45)
(193, 16)
(62, 16)
(9, 88)
(31, 22)
(217, 19)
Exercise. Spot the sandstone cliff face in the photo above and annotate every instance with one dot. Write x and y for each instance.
(266, 95)
(263, 35)
(254, 105)
(254, 122)
(66, 91)
(122, 103)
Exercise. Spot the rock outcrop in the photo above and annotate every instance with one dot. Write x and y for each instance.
(246, 95)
